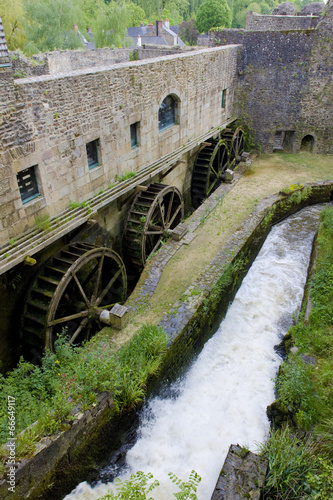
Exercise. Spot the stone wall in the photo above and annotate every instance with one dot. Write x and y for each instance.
(258, 22)
(52, 118)
(285, 84)
(64, 61)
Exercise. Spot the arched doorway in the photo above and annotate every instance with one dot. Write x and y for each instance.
(307, 143)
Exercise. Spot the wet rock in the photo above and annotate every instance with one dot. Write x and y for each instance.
(242, 476)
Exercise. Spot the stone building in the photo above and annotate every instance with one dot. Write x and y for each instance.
(285, 85)
(69, 137)
(78, 124)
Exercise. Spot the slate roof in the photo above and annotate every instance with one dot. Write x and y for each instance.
(154, 40)
(134, 32)
(4, 56)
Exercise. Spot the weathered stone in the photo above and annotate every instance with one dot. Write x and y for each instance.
(242, 476)
(179, 231)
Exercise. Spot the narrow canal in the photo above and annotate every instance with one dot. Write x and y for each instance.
(222, 398)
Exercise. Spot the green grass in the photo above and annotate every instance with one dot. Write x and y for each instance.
(71, 377)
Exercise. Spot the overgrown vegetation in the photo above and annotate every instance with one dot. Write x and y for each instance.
(140, 485)
(293, 187)
(300, 450)
(125, 176)
(69, 379)
(43, 222)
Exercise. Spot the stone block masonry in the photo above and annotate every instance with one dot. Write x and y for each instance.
(50, 119)
(285, 84)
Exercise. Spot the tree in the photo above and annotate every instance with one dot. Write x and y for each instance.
(49, 24)
(188, 32)
(136, 13)
(109, 26)
(11, 12)
(213, 13)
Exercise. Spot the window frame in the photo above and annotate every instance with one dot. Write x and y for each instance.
(19, 178)
(136, 128)
(167, 123)
(96, 145)
(224, 99)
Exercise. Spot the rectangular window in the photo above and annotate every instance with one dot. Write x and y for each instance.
(92, 153)
(27, 184)
(224, 98)
(135, 135)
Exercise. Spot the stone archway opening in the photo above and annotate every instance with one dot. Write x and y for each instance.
(307, 143)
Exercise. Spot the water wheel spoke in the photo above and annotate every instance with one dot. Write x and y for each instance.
(167, 219)
(156, 245)
(176, 212)
(71, 317)
(211, 185)
(86, 301)
(98, 278)
(161, 212)
(78, 330)
(108, 286)
(213, 172)
(160, 231)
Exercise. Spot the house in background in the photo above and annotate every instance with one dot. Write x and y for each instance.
(158, 34)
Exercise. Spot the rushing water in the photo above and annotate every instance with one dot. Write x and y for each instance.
(222, 398)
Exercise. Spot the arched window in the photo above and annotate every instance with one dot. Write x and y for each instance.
(167, 113)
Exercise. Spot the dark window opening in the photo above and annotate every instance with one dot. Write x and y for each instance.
(134, 135)
(224, 98)
(27, 184)
(92, 153)
(167, 113)
(307, 143)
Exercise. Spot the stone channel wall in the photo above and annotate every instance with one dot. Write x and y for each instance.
(189, 326)
(285, 86)
(49, 120)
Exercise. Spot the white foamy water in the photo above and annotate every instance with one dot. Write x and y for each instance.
(222, 399)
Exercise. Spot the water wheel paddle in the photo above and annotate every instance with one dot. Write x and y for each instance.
(69, 293)
(153, 213)
(209, 167)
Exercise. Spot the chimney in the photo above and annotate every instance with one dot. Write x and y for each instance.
(75, 27)
(159, 26)
(150, 27)
(166, 23)
(139, 41)
(142, 25)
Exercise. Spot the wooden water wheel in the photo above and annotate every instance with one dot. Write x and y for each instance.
(209, 167)
(235, 143)
(153, 213)
(69, 293)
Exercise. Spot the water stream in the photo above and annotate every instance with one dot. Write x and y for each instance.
(222, 398)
